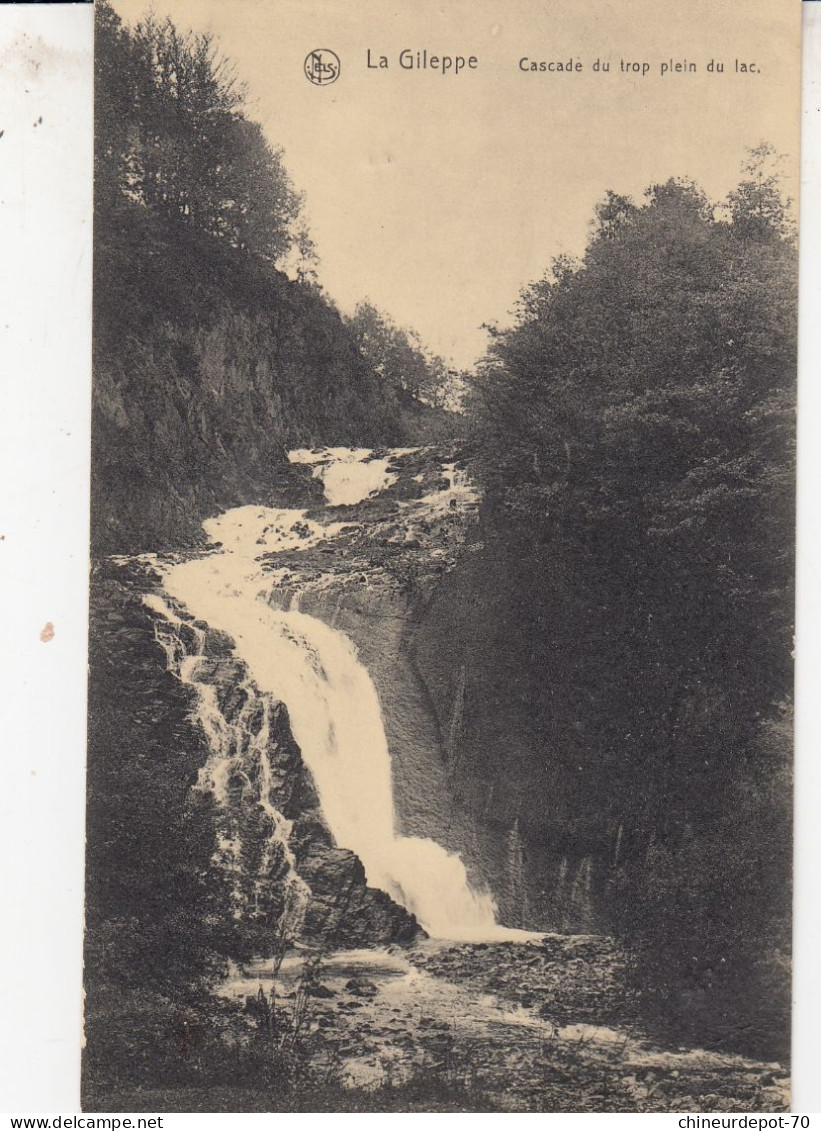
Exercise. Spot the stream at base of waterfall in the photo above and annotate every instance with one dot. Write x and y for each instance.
(529, 1026)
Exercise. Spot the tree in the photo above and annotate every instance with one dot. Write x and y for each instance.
(171, 135)
(641, 410)
(636, 429)
(756, 206)
(400, 358)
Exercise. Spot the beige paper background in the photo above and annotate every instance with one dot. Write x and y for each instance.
(439, 197)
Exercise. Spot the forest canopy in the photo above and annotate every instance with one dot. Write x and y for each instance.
(172, 135)
(635, 438)
(403, 361)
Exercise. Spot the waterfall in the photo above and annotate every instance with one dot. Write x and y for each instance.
(348, 475)
(240, 748)
(334, 712)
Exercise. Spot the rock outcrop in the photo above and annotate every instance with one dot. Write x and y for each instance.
(277, 871)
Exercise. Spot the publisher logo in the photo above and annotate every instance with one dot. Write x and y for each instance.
(322, 66)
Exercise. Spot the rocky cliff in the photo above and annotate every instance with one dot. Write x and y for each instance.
(167, 752)
(208, 364)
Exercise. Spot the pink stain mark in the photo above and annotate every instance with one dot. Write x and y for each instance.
(47, 633)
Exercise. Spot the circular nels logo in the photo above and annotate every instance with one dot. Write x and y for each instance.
(322, 66)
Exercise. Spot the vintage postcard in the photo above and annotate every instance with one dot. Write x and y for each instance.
(441, 623)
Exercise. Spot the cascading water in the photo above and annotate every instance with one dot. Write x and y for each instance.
(239, 750)
(333, 707)
(348, 475)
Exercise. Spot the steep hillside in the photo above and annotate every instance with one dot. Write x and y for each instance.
(208, 359)
(207, 364)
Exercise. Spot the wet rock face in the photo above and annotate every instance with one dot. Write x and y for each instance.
(343, 910)
(372, 581)
(277, 861)
(339, 908)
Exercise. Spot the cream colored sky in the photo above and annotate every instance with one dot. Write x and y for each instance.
(438, 197)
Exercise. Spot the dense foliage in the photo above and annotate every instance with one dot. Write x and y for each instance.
(171, 135)
(402, 360)
(635, 437)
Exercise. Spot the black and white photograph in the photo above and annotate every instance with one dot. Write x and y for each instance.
(441, 618)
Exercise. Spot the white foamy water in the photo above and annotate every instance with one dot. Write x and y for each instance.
(232, 745)
(349, 475)
(334, 711)
(459, 492)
